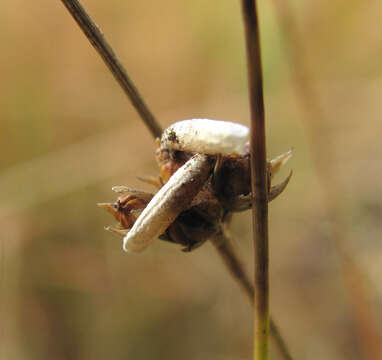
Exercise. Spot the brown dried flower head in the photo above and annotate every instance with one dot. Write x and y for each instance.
(204, 176)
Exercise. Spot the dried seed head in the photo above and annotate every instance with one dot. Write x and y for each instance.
(206, 136)
(169, 161)
(191, 205)
(128, 206)
(174, 197)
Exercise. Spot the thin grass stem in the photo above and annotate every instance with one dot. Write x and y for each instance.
(259, 181)
(96, 38)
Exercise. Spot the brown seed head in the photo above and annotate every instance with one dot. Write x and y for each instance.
(127, 207)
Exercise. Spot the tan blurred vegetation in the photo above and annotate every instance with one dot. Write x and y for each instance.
(67, 134)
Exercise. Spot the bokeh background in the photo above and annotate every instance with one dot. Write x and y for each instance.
(68, 134)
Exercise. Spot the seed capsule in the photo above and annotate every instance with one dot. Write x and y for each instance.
(175, 196)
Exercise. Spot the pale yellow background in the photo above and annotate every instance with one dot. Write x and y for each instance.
(67, 134)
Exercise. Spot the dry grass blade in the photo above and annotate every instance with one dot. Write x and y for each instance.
(95, 36)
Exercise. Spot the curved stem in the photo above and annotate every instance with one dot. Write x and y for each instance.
(96, 38)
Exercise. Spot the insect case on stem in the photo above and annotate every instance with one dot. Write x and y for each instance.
(204, 176)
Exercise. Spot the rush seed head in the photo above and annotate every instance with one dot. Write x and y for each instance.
(175, 196)
(204, 176)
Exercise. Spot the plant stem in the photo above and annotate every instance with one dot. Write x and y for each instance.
(96, 38)
(223, 245)
(259, 181)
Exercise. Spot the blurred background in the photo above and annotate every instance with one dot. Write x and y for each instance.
(68, 134)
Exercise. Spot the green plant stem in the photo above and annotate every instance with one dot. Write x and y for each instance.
(96, 38)
(259, 181)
